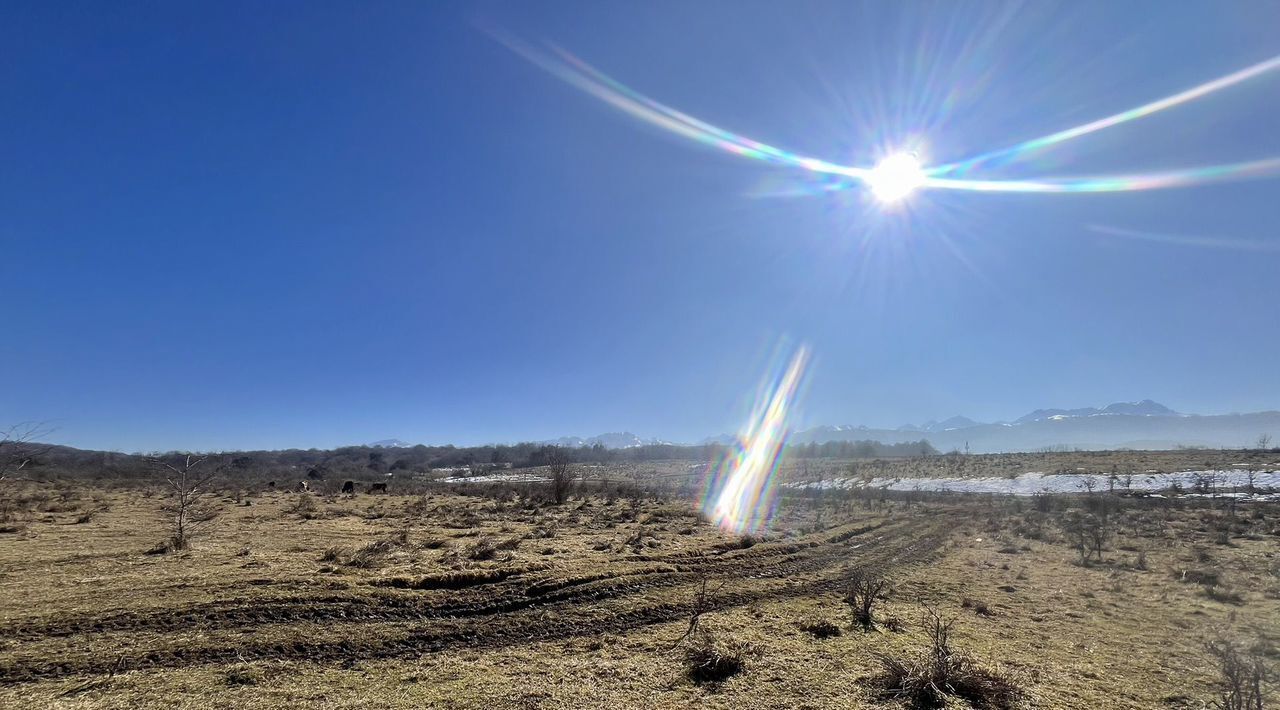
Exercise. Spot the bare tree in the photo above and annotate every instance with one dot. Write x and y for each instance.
(865, 586)
(19, 446)
(561, 473)
(1264, 441)
(189, 475)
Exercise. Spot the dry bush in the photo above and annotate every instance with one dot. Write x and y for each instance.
(940, 673)
(708, 659)
(1198, 576)
(241, 676)
(482, 548)
(1243, 675)
(332, 554)
(370, 555)
(819, 628)
(979, 607)
(1223, 595)
(865, 587)
(433, 543)
(304, 506)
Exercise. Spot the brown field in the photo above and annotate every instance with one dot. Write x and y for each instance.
(494, 597)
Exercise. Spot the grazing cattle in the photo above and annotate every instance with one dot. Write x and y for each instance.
(378, 487)
(303, 487)
(271, 484)
(349, 487)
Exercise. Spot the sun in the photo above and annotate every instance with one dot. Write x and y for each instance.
(895, 177)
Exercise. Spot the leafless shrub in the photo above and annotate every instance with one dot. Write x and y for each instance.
(865, 587)
(332, 554)
(1243, 675)
(703, 597)
(928, 680)
(1087, 533)
(305, 507)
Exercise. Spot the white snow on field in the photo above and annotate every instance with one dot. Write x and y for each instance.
(497, 478)
(1192, 482)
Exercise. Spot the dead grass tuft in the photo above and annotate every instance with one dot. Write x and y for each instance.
(932, 678)
(708, 659)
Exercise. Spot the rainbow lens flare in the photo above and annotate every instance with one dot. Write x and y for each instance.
(1014, 152)
(741, 491)
(950, 176)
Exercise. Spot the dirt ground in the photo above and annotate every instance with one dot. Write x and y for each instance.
(501, 599)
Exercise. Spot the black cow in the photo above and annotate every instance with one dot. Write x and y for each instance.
(374, 488)
(349, 488)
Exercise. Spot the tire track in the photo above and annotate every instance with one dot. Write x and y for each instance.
(509, 612)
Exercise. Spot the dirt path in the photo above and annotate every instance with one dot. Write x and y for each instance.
(528, 604)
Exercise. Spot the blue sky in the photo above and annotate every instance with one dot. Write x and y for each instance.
(237, 225)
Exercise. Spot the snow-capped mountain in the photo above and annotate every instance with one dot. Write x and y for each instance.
(1145, 408)
(956, 422)
(390, 444)
(1137, 425)
(611, 440)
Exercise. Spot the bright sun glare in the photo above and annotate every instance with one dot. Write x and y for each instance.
(895, 177)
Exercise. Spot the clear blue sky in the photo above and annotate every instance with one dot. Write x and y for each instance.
(242, 225)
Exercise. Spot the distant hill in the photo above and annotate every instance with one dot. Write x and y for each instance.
(1145, 425)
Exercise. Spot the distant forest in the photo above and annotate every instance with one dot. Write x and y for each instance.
(55, 461)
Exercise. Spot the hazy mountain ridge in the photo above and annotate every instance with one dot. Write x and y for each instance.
(1145, 424)
(609, 440)
(1138, 425)
(1145, 408)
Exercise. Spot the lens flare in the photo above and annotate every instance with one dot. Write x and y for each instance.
(951, 176)
(895, 177)
(1016, 151)
(741, 491)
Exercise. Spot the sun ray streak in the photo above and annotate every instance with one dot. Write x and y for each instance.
(1020, 150)
(1189, 240)
(954, 176)
(742, 490)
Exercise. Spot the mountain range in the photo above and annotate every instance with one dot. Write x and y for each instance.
(1120, 425)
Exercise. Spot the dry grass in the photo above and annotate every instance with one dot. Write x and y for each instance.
(467, 602)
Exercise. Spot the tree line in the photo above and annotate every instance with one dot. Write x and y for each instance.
(55, 461)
